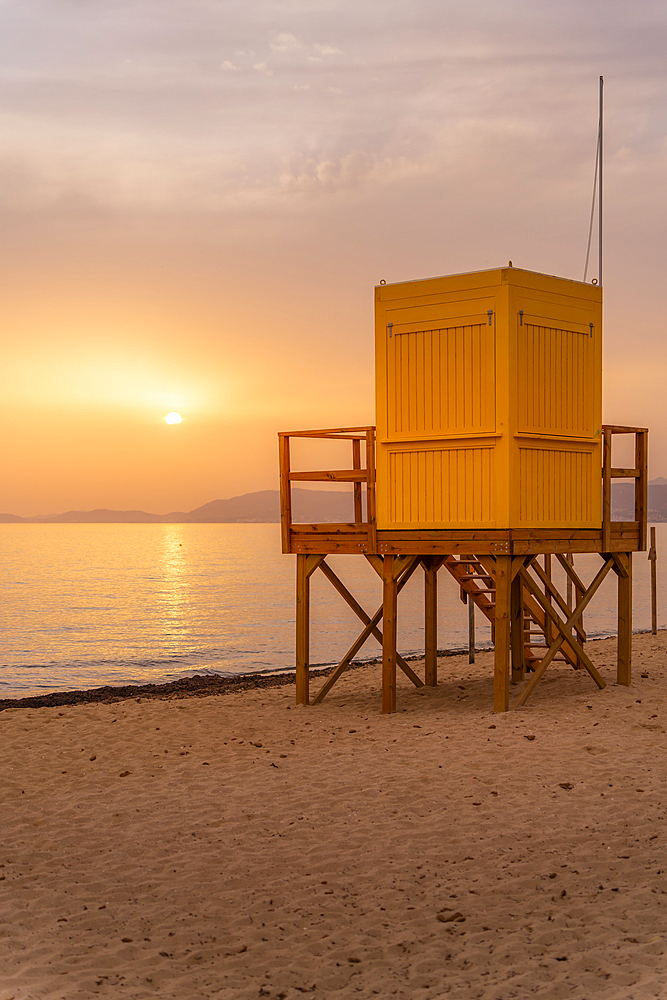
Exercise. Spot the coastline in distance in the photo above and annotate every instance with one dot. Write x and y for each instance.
(319, 506)
(262, 507)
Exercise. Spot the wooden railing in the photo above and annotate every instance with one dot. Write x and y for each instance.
(364, 437)
(357, 475)
(639, 473)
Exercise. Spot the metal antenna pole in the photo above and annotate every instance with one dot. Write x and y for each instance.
(597, 185)
(600, 190)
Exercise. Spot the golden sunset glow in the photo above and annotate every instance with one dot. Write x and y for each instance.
(155, 265)
(173, 418)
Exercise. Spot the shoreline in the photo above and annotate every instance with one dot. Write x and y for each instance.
(199, 686)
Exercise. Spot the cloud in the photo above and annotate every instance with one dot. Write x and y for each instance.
(284, 42)
(125, 117)
(351, 172)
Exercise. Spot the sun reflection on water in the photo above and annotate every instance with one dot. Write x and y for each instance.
(175, 592)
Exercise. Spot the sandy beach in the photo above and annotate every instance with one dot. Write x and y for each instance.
(235, 846)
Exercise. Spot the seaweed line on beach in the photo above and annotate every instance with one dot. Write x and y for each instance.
(198, 686)
(190, 687)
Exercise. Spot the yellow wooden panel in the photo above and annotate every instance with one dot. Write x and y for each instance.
(437, 487)
(556, 487)
(441, 381)
(555, 390)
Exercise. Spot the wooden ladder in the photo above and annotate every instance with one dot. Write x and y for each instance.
(535, 640)
(477, 584)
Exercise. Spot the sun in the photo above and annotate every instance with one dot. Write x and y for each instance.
(173, 418)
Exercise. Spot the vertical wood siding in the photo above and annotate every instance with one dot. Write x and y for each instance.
(441, 381)
(555, 381)
(555, 487)
(441, 486)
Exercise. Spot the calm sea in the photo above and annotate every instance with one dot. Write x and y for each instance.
(91, 604)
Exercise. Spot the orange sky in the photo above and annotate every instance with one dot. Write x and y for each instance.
(197, 200)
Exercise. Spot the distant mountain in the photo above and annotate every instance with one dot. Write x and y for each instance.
(99, 516)
(623, 501)
(309, 506)
(262, 507)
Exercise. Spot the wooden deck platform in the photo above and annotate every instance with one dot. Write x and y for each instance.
(622, 536)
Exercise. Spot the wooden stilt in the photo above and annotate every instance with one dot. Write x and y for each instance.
(548, 631)
(471, 628)
(569, 558)
(431, 564)
(624, 655)
(653, 556)
(302, 629)
(503, 620)
(389, 608)
(517, 636)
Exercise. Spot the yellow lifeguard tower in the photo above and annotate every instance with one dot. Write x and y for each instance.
(488, 450)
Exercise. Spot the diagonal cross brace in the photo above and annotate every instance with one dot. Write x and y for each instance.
(564, 629)
(553, 590)
(571, 572)
(370, 628)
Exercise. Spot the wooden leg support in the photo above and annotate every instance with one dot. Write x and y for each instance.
(302, 630)
(624, 655)
(517, 636)
(431, 565)
(503, 620)
(389, 608)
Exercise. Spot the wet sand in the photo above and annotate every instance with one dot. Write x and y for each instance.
(235, 846)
